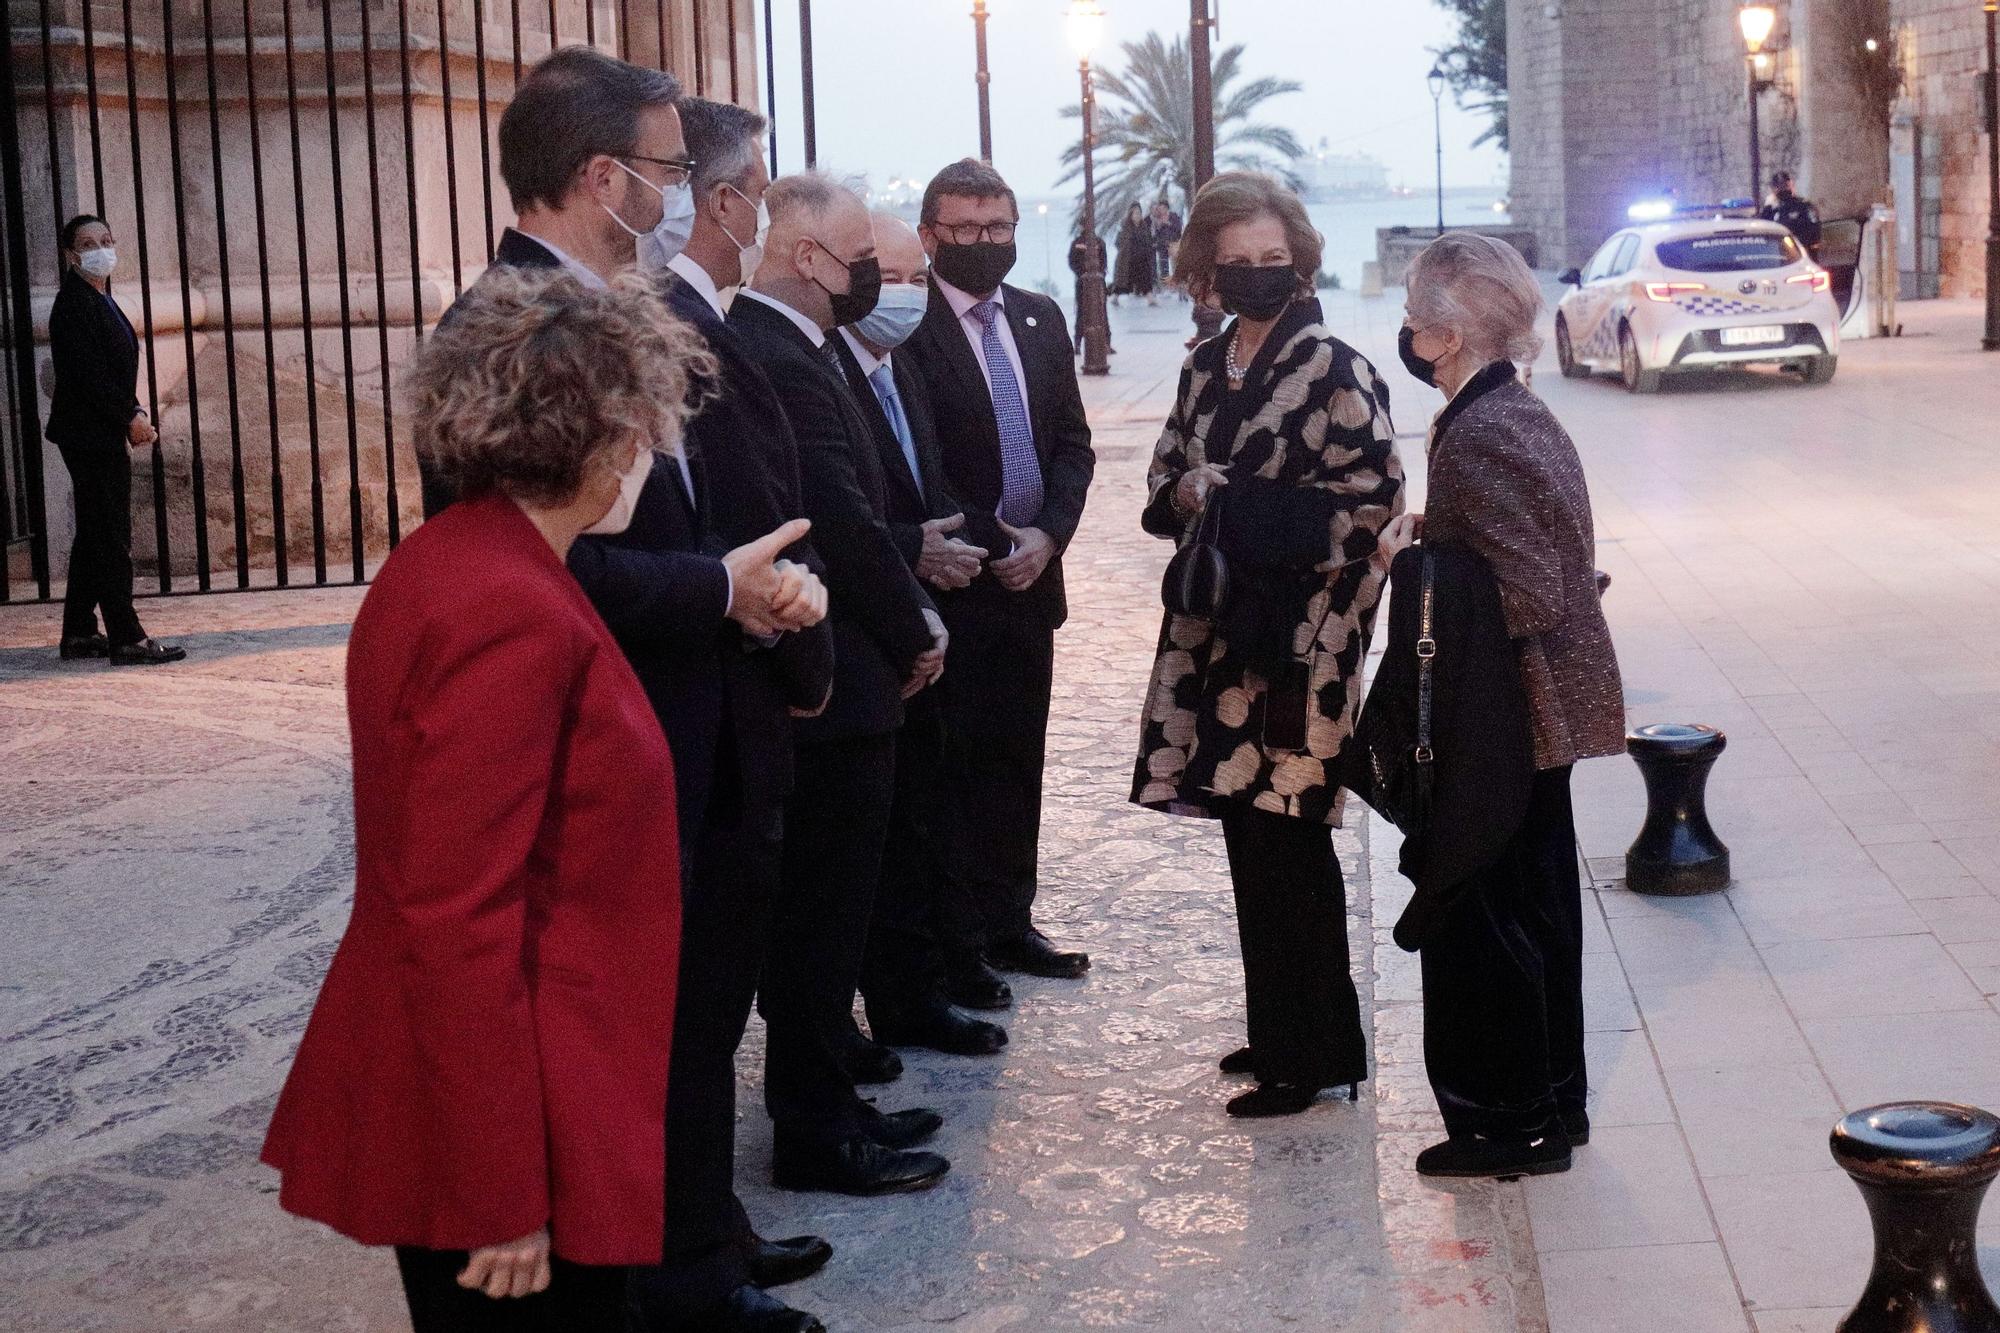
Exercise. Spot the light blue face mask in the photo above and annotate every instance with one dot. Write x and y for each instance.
(658, 247)
(895, 316)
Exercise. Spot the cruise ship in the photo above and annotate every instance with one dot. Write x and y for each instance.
(1327, 176)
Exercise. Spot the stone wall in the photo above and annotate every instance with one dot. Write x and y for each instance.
(1943, 47)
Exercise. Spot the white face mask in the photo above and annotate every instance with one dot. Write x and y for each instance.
(896, 315)
(669, 236)
(751, 255)
(98, 263)
(630, 482)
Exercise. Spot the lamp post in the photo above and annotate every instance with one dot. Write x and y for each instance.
(984, 78)
(1991, 342)
(1203, 91)
(1086, 30)
(1436, 80)
(1757, 21)
(806, 83)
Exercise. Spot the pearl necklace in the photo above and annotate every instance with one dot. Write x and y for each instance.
(1236, 372)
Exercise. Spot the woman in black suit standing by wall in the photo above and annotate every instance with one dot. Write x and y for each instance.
(94, 419)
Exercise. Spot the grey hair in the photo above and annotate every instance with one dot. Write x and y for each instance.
(811, 193)
(1479, 287)
(722, 138)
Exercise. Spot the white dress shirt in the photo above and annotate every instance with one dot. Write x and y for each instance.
(696, 277)
(975, 333)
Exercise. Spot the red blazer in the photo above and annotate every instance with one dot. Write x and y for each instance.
(489, 1051)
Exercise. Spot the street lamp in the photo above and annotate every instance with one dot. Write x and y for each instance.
(985, 80)
(1992, 340)
(1086, 31)
(1757, 21)
(1436, 79)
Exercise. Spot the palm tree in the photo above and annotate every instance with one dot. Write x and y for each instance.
(1147, 135)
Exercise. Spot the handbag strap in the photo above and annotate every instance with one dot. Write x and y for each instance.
(1426, 657)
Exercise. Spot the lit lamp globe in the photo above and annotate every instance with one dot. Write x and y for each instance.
(1757, 21)
(1086, 28)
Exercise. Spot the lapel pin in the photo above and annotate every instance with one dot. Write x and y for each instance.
(1031, 323)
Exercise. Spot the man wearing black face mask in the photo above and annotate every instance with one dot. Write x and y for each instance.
(820, 272)
(997, 366)
(1792, 212)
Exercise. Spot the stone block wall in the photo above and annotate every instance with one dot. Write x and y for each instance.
(1943, 47)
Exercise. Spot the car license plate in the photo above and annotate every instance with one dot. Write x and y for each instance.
(1754, 335)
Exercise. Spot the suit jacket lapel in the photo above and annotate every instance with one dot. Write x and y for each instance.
(894, 466)
(944, 329)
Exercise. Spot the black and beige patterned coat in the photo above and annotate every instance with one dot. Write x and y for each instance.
(1313, 476)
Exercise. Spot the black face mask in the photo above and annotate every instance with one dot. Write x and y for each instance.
(977, 269)
(1422, 368)
(864, 289)
(1256, 293)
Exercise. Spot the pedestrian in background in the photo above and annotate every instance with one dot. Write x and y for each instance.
(483, 1080)
(1079, 259)
(1503, 966)
(1135, 276)
(1279, 452)
(1166, 227)
(94, 419)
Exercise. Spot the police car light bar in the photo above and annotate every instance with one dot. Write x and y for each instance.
(1660, 210)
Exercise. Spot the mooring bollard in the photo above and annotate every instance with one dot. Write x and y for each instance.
(1677, 853)
(1923, 1168)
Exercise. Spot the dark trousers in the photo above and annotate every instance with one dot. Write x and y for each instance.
(100, 558)
(996, 702)
(1503, 982)
(924, 922)
(1291, 913)
(726, 903)
(836, 827)
(579, 1298)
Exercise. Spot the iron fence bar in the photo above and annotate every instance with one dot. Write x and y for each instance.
(410, 187)
(450, 147)
(192, 379)
(590, 22)
(305, 301)
(514, 7)
(554, 40)
(20, 317)
(660, 29)
(14, 519)
(161, 547)
(735, 80)
(279, 545)
(485, 127)
(771, 84)
(239, 509)
(339, 175)
(700, 49)
(381, 278)
(624, 29)
(90, 95)
(56, 191)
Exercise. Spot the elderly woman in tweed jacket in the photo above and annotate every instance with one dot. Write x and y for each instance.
(1503, 969)
(1286, 431)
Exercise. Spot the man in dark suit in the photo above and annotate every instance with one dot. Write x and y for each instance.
(705, 630)
(918, 907)
(819, 271)
(997, 364)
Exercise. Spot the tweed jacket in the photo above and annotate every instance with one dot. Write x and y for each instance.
(1505, 479)
(1313, 478)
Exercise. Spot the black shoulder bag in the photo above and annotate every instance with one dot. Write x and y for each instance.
(1197, 581)
(1402, 769)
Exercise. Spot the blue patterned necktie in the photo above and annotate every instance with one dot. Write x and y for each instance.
(1020, 468)
(883, 381)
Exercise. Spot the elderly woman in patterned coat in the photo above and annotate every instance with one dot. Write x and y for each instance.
(1284, 432)
(1503, 966)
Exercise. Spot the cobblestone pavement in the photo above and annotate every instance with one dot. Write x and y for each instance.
(178, 865)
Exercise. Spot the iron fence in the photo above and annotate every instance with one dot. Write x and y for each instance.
(295, 202)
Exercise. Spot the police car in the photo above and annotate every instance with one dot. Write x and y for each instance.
(1697, 293)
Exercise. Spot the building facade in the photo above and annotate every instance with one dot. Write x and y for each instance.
(297, 188)
(1868, 101)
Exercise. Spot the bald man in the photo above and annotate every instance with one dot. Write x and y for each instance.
(924, 924)
(820, 271)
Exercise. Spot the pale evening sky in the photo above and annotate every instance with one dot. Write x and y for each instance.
(896, 95)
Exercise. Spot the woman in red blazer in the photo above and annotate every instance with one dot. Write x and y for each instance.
(483, 1082)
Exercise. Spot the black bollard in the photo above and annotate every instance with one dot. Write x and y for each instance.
(1677, 853)
(1923, 1167)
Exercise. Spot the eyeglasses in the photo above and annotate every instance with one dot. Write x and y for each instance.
(679, 169)
(971, 233)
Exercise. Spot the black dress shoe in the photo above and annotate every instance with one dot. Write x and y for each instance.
(773, 1263)
(1503, 1159)
(1274, 1099)
(1239, 1061)
(977, 986)
(937, 1027)
(1576, 1127)
(866, 1061)
(898, 1130)
(1034, 954)
(89, 645)
(859, 1167)
(749, 1309)
(146, 652)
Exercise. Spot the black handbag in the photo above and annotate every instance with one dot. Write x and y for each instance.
(1197, 581)
(1402, 766)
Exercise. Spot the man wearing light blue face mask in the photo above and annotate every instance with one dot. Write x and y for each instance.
(917, 907)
